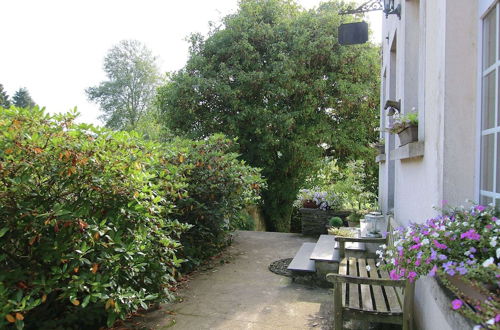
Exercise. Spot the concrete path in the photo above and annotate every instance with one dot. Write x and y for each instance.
(244, 294)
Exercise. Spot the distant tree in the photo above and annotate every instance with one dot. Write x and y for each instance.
(4, 98)
(133, 77)
(22, 98)
(274, 76)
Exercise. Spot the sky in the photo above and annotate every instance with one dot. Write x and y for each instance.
(56, 48)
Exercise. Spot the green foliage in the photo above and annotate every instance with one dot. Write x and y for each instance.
(351, 182)
(85, 218)
(22, 98)
(4, 98)
(131, 86)
(219, 187)
(274, 76)
(336, 222)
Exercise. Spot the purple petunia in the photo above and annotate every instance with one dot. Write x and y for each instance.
(394, 274)
(480, 208)
(433, 271)
(442, 257)
(416, 246)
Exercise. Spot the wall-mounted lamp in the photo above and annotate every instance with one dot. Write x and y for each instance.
(393, 106)
(390, 9)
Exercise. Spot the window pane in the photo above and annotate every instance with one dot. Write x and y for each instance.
(488, 116)
(487, 145)
(489, 38)
(497, 204)
(485, 200)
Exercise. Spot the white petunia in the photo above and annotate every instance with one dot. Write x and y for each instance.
(490, 321)
(493, 242)
(488, 262)
(425, 241)
(368, 268)
(383, 246)
(377, 264)
(467, 253)
(465, 223)
(435, 234)
(498, 253)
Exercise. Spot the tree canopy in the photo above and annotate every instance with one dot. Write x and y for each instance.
(133, 77)
(22, 98)
(4, 98)
(274, 76)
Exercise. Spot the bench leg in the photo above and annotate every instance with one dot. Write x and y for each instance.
(337, 305)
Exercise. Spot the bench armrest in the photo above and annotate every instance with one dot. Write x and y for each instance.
(361, 239)
(337, 278)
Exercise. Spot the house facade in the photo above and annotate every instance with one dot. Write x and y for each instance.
(440, 59)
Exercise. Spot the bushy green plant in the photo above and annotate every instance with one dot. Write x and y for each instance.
(336, 222)
(403, 121)
(219, 187)
(350, 183)
(85, 218)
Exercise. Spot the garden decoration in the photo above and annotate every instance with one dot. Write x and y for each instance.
(406, 127)
(461, 248)
(372, 219)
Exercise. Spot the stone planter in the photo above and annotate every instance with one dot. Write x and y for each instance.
(409, 134)
(314, 221)
(380, 148)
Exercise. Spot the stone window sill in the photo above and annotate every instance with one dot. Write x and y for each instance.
(408, 151)
(380, 158)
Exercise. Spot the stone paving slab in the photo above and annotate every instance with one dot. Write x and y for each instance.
(244, 294)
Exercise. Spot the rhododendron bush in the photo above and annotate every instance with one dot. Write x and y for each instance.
(462, 242)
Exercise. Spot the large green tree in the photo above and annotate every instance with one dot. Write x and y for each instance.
(22, 98)
(274, 76)
(4, 98)
(133, 77)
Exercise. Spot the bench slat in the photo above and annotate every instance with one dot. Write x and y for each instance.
(366, 296)
(353, 288)
(378, 295)
(392, 296)
(343, 271)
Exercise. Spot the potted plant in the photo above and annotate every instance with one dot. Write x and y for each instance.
(316, 208)
(342, 232)
(461, 249)
(406, 127)
(380, 146)
(354, 218)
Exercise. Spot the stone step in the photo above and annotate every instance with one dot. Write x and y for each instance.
(326, 248)
(302, 262)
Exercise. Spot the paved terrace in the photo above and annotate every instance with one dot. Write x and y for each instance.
(244, 294)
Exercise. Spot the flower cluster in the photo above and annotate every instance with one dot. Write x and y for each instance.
(462, 242)
(319, 199)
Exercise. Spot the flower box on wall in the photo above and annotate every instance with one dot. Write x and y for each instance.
(314, 221)
(407, 135)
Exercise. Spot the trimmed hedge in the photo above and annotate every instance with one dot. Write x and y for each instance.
(89, 218)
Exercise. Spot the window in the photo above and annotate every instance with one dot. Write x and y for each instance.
(489, 179)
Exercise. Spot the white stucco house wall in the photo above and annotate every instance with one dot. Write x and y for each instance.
(442, 59)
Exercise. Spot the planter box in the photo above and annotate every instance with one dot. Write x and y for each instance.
(314, 221)
(409, 134)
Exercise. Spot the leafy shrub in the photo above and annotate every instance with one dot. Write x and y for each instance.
(219, 187)
(85, 218)
(336, 222)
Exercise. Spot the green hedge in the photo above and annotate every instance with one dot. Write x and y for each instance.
(89, 218)
(219, 187)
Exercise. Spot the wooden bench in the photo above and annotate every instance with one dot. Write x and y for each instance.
(368, 293)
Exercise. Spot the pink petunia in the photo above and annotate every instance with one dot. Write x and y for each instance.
(471, 234)
(394, 274)
(480, 208)
(433, 271)
(456, 304)
(440, 245)
(416, 246)
(412, 275)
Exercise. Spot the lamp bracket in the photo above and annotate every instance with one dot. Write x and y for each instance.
(370, 5)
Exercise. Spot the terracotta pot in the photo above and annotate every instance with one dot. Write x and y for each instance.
(409, 134)
(309, 204)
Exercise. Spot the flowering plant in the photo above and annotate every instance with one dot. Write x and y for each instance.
(461, 242)
(402, 122)
(313, 198)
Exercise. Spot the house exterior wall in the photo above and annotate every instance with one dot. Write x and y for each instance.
(439, 79)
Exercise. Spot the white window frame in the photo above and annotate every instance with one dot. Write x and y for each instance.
(484, 7)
